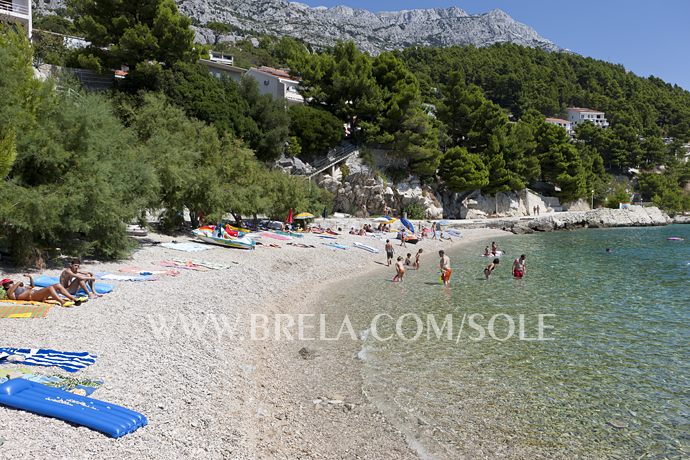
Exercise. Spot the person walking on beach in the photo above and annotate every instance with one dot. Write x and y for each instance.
(403, 238)
(538, 209)
(417, 258)
(444, 265)
(389, 252)
(519, 268)
(399, 270)
(491, 267)
(433, 230)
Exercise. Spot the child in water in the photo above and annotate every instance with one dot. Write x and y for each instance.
(491, 267)
(400, 270)
(408, 260)
(417, 258)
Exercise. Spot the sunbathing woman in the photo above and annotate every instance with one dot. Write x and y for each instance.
(17, 291)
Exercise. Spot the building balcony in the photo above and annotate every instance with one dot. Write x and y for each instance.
(294, 97)
(17, 11)
(15, 8)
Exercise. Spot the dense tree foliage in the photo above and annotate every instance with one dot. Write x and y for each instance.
(315, 130)
(73, 173)
(134, 33)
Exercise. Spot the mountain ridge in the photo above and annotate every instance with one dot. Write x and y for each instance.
(373, 32)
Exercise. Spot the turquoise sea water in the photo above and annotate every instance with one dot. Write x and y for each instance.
(613, 383)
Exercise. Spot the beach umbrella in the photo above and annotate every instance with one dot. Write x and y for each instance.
(407, 224)
(289, 219)
(382, 219)
(304, 216)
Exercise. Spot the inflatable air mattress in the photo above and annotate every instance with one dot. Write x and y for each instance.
(112, 420)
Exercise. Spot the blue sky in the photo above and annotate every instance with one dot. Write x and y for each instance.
(649, 37)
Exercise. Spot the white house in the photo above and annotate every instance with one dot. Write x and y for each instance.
(277, 83)
(17, 11)
(565, 124)
(577, 115)
(220, 65)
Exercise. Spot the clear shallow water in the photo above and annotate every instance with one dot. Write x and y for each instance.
(614, 382)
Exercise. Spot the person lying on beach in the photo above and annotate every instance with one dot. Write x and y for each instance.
(491, 267)
(399, 269)
(519, 268)
(72, 279)
(408, 259)
(389, 252)
(17, 291)
(417, 258)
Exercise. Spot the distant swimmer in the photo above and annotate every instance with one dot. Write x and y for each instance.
(491, 267)
(609, 250)
(399, 270)
(444, 265)
(487, 251)
(408, 259)
(519, 268)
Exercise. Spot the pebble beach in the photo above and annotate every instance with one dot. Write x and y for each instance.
(178, 350)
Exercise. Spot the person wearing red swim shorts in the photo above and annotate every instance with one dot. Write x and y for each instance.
(519, 268)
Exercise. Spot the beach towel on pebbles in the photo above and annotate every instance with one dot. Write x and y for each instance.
(114, 277)
(70, 361)
(186, 247)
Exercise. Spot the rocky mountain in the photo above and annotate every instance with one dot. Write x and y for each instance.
(373, 32)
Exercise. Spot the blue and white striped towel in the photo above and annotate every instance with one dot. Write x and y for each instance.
(71, 361)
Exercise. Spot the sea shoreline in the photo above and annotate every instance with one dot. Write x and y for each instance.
(206, 392)
(323, 406)
(211, 395)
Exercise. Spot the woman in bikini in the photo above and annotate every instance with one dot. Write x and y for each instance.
(17, 291)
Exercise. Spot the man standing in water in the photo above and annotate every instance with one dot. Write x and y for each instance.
(444, 265)
(389, 252)
(519, 268)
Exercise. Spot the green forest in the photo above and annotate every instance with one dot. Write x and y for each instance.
(77, 166)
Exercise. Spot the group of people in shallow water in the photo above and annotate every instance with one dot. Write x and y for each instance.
(519, 264)
(72, 280)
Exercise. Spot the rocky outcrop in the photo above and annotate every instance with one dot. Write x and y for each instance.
(293, 165)
(372, 32)
(475, 205)
(363, 193)
(634, 216)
